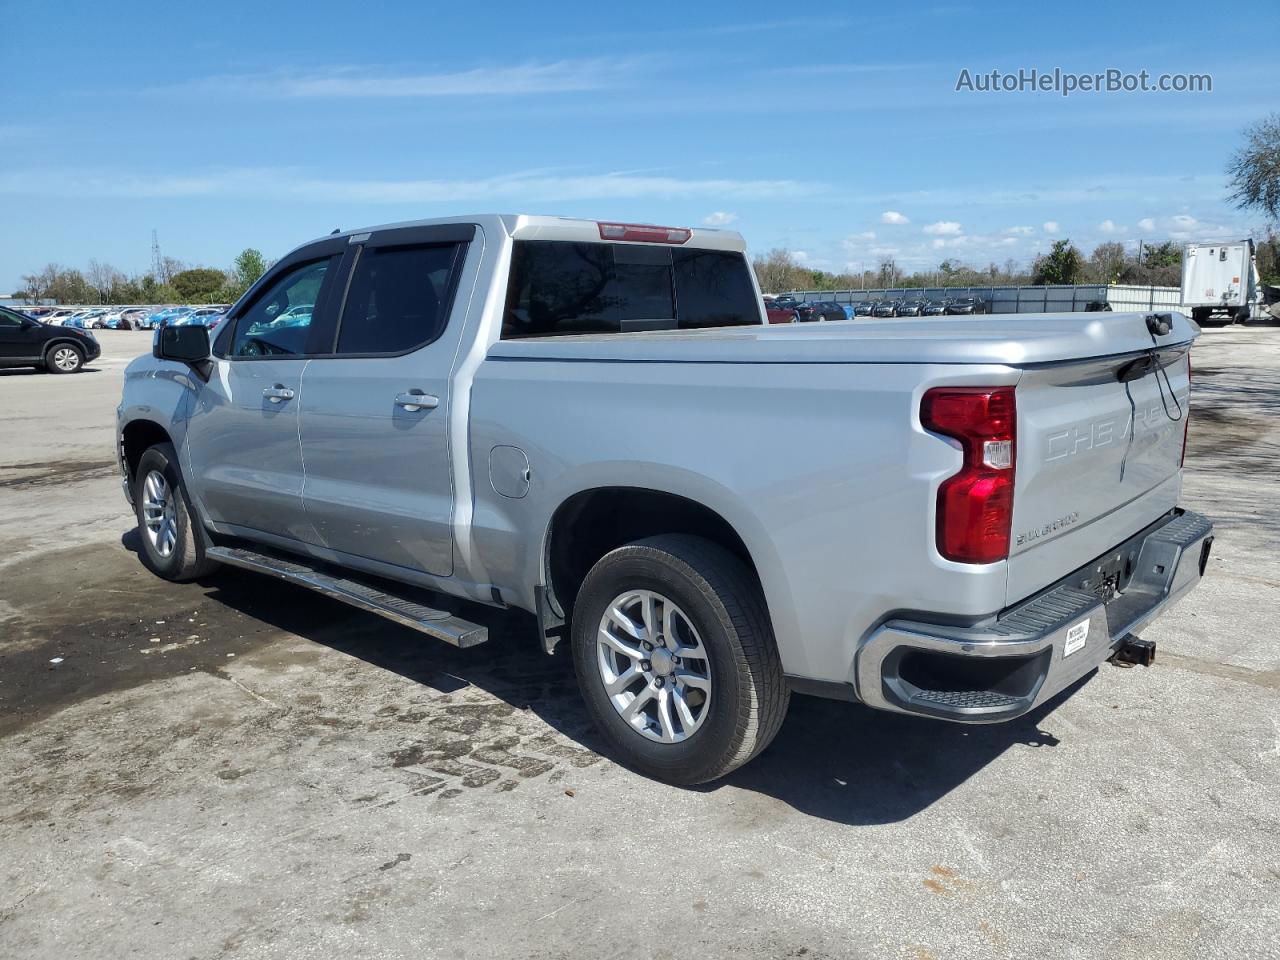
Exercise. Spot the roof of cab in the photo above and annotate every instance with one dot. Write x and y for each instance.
(527, 227)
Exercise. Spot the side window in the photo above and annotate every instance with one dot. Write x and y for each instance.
(9, 320)
(277, 322)
(398, 299)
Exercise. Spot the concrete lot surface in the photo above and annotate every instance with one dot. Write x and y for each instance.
(240, 768)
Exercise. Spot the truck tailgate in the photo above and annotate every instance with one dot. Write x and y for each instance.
(1099, 452)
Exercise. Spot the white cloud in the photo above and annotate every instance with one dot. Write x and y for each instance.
(800, 256)
(1051, 226)
(1008, 242)
(857, 240)
(514, 188)
(1109, 226)
(1184, 222)
(945, 228)
(893, 217)
(1146, 223)
(347, 81)
(719, 219)
(1020, 231)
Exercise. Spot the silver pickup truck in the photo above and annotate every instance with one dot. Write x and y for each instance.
(951, 517)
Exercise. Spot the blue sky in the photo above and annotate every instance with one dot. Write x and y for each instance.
(831, 131)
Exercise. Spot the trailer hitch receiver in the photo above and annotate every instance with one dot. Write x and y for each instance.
(1134, 651)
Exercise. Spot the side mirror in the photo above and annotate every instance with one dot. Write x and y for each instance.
(185, 344)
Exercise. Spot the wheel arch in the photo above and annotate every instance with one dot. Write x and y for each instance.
(136, 437)
(590, 522)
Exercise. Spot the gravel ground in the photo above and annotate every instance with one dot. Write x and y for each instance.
(240, 767)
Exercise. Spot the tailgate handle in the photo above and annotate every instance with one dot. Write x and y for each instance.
(1136, 369)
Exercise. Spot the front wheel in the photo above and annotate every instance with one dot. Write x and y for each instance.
(64, 358)
(170, 547)
(676, 659)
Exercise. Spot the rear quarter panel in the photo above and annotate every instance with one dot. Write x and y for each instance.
(822, 469)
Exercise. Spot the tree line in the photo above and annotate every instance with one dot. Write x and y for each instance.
(1155, 264)
(173, 282)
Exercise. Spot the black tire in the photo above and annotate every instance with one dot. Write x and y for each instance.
(64, 358)
(724, 603)
(186, 559)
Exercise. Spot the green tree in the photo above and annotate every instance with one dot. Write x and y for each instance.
(199, 285)
(244, 273)
(249, 266)
(1254, 169)
(1063, 264)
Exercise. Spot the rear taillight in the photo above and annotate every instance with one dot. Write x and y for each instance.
(975, 507)
(1186, 416)
(644, 232)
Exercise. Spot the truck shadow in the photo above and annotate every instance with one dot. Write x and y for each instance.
(853, 765)
(837, 761)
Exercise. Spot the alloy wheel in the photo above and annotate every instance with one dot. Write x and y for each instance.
(159, 513)
(655, 668)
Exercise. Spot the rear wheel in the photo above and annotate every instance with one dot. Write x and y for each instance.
(170, 547)
(64, 358)
(676, 659)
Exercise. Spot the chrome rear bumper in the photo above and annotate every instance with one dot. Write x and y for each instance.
(1003, 668)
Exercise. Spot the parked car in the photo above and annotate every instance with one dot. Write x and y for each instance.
(56, 317)
(84, 320)
(166, 315)
(935, 308)
(488, 448)
(785, 300)
(299, 316)
(966, 305)
(116, 320)
(205, 316)
(885, 308)
(820, 310)
(779, 314)
(912, 308)
(865, 308)
(29, 343)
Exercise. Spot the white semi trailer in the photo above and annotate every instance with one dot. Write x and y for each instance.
(1219, 278)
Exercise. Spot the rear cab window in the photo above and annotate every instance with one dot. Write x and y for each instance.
(563, 288)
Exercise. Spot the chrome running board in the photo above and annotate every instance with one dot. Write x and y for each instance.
(440, 624)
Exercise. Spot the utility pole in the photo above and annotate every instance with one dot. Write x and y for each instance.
(157, 265)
